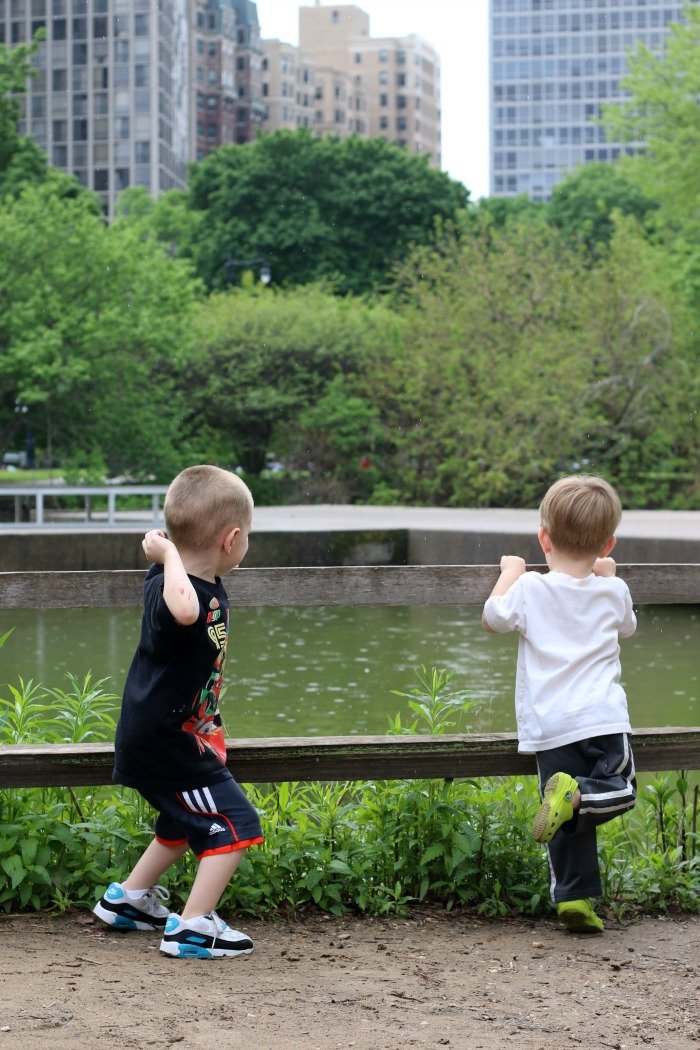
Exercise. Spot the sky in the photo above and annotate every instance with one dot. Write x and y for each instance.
(458, 30)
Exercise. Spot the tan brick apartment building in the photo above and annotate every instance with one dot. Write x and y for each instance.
(340, 80)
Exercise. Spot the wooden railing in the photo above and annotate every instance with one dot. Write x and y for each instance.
(336, 758)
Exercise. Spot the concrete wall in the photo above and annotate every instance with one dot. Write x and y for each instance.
(47, 550)
(102, 549)
(486, 548)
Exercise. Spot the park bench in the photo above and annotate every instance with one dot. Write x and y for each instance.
(266, 760)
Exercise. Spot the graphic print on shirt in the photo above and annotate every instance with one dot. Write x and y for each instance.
(205, 724)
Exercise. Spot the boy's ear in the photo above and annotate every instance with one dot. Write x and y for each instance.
(229, 538)
(544, 540)
(608, 548)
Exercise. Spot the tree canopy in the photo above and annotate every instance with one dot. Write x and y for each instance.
(663, 112)
(583, 206)
(90, 320)
(315, 208)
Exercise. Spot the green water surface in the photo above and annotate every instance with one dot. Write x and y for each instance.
(331, 670)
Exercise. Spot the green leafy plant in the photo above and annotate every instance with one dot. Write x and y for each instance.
(377, 847)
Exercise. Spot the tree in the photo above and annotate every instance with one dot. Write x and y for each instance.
(502, 212)
(21, 160)
(584, 204)
(314, 208)
(90, 319)
(519, 360)
(664, 114)
(259, 358)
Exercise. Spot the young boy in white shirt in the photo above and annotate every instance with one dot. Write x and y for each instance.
(571, 710)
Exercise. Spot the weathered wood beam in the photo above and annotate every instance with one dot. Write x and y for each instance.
(266, 760)
(330, 585)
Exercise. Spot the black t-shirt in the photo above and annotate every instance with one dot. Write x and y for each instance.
(170, 733)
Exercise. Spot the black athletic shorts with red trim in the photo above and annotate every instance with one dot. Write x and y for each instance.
(214, 819)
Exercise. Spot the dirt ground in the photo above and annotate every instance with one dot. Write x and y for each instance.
(428, 981)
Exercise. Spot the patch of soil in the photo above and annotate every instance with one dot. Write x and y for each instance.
(431, 980)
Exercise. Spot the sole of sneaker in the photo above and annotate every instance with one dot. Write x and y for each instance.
(580, 920)
(556, 808)
(192, 951)
(122, 922)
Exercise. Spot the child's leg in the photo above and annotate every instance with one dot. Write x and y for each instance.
(154, 861)
(572, 852)
(604, 770)
(610, 787)
(213, 876)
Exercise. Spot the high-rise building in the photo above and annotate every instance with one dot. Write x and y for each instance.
(110, 100)
(554, 65)
(213, 65)
(384, 87)
(289, 88)
(128, 92)
(250, 108)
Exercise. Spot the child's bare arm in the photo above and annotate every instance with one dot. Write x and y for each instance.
(178, 592)
(512, 567)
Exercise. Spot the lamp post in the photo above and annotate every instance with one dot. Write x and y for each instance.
(29, 443)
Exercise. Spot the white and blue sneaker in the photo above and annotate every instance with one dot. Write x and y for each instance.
(123, 912)
(203, 937)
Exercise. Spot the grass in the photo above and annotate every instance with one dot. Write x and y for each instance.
(28, 477)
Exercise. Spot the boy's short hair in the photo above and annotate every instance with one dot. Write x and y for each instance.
(580, 513)
(201, 502)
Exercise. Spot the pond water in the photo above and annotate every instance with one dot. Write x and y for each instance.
(331, 670)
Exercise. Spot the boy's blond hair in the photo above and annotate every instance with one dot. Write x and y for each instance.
(201, 502)
(580, 513)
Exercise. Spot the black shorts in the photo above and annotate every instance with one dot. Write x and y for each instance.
(217, 818)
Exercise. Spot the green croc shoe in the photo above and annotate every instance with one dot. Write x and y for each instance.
(579, 917)
(556, 806)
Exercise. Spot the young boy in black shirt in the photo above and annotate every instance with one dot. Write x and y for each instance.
(170, 741)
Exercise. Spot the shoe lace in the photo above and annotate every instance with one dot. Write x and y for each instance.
(159, 893)
(219, 924)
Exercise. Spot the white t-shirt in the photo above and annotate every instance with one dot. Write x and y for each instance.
(567, 684)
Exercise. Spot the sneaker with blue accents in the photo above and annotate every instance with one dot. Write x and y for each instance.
(122, 912)
(203, 937)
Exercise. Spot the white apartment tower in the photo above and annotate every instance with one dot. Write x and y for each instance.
(554, 65)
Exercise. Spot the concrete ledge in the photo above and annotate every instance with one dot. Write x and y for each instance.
(348, 535)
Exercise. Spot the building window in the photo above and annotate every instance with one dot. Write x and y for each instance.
(142, 76)
(142, 152)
